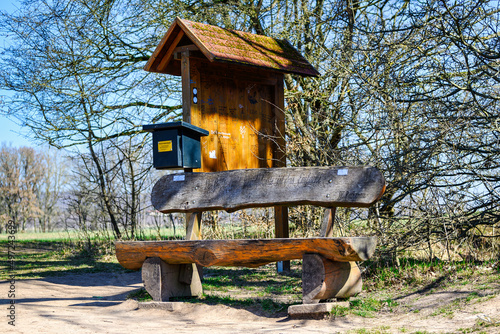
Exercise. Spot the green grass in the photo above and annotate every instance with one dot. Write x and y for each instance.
(449, 309)
(380, 330)
(367, 307)
(266, 305)
(74, 236)
(261, 289)
(37, 255)
(262, 281)
(265, 285)
(339, 311)
(38, 259)
(140, 295)
(47, 237)
(418, 273)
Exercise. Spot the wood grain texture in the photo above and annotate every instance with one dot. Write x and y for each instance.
(240, 189)
(324, 279)
(193, 226)
(168, 55)
(238, 108)
(281, 229)
(162, 280)
(328, 222)
(186, 87)
(160, 50)
(279, 120)
(242, 252)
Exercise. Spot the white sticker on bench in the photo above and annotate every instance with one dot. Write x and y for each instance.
(342, 172)
(179, 177)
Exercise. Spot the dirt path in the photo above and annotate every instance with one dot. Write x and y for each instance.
(96, 303)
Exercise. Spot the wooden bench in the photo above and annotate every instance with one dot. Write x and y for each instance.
(172, 268)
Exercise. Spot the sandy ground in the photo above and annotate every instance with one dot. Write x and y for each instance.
(96, 303)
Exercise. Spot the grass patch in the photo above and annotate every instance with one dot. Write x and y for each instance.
(38, 259)
(339, 311)
(263, 281)
(261, 290)
(140, 295)
(414, 274)
(80, 236)
(367, 307)
(380, 330)
(449, 309)
(38, 255)
(42, 237)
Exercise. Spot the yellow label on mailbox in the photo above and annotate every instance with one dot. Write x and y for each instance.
(165, 146)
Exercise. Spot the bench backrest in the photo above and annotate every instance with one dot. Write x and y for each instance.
(246, 188)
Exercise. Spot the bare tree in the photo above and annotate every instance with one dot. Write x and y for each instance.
(409, 87)
(30, 186)
(76, 65)
(50, 190)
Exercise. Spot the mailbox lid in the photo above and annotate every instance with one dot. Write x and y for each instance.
(183, 126)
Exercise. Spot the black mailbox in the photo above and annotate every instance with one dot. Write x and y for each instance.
(176, 145)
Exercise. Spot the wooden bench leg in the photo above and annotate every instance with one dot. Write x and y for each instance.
(324, 279)
(163, 281)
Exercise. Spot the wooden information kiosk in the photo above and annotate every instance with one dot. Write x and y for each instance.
(233, 119)
(232, 86)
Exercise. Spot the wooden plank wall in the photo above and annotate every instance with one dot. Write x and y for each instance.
(238, 109)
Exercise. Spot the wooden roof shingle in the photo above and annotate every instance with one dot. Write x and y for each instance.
(232, 46)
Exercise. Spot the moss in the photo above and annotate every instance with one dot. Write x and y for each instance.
(250, 49)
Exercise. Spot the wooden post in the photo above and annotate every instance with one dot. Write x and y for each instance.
(191, 272)
(281, 231)
(186, 86)
(280, 212)
(279, 154)
(193, 221)
(193, 226)
(328, 221)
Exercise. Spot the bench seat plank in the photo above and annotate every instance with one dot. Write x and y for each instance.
(247, 188)
(242, 252)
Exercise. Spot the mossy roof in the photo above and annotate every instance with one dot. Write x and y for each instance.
(238, 47)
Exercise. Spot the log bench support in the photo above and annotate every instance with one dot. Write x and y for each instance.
(164, 281)
(322, 279)
(172, 268)
(325, 279)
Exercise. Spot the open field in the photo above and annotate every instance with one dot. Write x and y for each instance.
(76, 289)
(77, 236)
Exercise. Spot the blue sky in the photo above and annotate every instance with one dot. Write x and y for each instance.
(10, 132)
